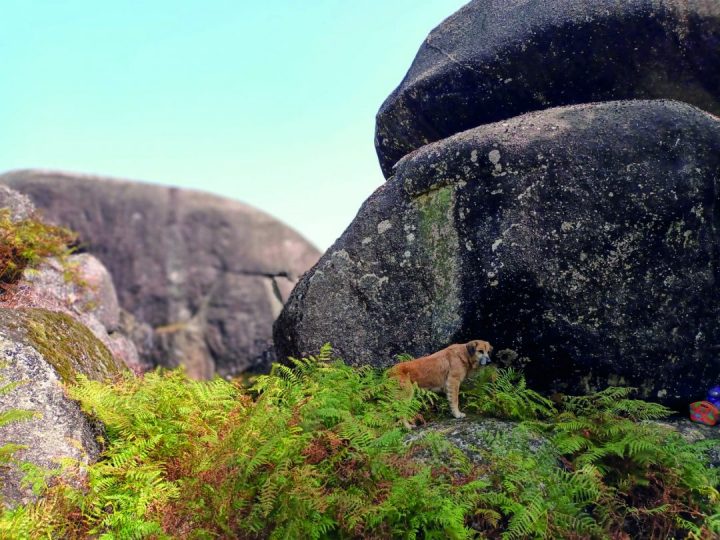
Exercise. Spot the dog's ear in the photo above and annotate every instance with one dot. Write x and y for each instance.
(471, 349)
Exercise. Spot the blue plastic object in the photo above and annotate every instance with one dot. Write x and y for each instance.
(713, 396)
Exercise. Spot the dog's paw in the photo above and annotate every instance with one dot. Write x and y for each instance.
(459, 415)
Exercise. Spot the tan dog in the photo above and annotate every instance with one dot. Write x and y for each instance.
(443, 370)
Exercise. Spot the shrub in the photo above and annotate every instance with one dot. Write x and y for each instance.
(659, 482)
(621, 472)
(24, 244)
(504, 394)
(307, 452)
(317, 451)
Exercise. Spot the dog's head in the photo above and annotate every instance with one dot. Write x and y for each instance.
(479, 352)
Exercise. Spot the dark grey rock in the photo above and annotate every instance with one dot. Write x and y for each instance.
(693, 432)
(496, 59)
(581, 241)
(207, 273)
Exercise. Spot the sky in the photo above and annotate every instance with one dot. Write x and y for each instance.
(269, 102)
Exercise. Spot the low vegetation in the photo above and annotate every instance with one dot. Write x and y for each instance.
(25, 243)
(318, 451)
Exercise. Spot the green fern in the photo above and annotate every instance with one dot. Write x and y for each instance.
(315, 449)
(504, 394)
(26, 243)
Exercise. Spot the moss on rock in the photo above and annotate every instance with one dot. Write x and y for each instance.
(70, 347)
(478, 438)
(439, 235)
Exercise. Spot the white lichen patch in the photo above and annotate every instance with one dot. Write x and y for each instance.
(176, 276)
(370, 285)
(366, 241)
(374, 279)
(494, 157)
(474, 156)
(496, 244)
(697, 211)
(384, 226)
(526, 192)
(341, 255)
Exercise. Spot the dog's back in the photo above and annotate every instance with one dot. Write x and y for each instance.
(431, 371)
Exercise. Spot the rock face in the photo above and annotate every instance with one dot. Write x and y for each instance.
(478, 436)
(496, 59)
(19, 205)
(581, 241)
(81, 287)
(693, 432)
(208, 274)
(39, 350)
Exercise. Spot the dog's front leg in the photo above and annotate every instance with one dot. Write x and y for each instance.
(453, 391)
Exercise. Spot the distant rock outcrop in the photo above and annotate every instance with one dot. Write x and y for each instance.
(39, 351)
(581, 241)
(210, 275)
(495, 59)
(19, 205)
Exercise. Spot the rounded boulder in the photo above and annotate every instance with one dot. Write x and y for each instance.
(208, 274)
(581, 241)
(496, 59)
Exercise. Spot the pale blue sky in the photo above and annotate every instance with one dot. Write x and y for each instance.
(269, 102)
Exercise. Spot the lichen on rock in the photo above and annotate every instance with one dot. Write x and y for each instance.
(478, 437)
(70, 347)
(42, 350)
(438, 237)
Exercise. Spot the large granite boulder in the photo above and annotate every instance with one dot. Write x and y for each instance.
(208, 274)
(40, 350)
(495, 59)
(581, 241)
